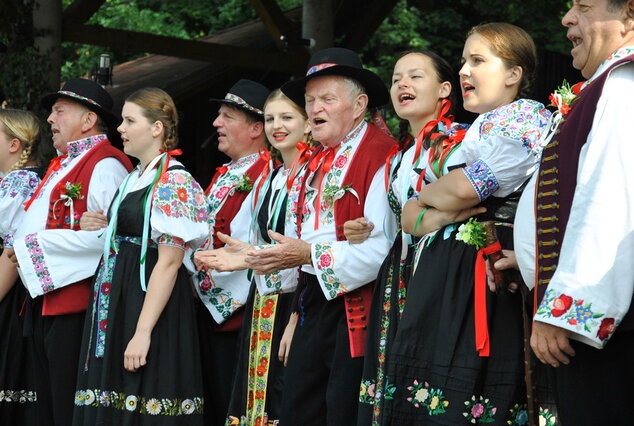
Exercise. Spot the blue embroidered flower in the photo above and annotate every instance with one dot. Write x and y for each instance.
(164, 193)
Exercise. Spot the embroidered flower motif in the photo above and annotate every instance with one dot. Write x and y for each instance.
(244, 184)
(479, 410)
(606, 328)
(546, 418)
(164, 193)
(563, 96)
(576, 313)
(560, 305)
(188, 406)
(131, 402)
(518, 415)
(341, 161)
(325, 260)
(182, 194)
(423, 395)
(90, 397)
(472, 233)
(80, 397)
(153, 406)
(222, 192)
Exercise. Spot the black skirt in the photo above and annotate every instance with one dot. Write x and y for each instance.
(387, 305)
(168, 390)
(437, 375)
(17, 384)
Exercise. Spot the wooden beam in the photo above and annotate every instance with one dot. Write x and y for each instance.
(274, 20)
(241, 56)
(373, 15)
(80, 11)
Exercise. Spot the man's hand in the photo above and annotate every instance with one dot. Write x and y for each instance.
(508, 262)
(93, 221)
(289, 253)
(231, 257)
(358, 230)
(551, 344)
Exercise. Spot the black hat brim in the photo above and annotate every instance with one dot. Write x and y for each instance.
(111, 120)
(378, 94)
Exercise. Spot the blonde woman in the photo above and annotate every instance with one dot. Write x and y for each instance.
(19, 144)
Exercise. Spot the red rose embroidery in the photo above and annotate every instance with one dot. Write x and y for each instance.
(105, 288)
(222, 192)
(206, 284)
(164, 178)
(341, 161)
(103, 325)
(166, 209)
(182, 194)
(560, 305)
(325, 260)
(607, 327)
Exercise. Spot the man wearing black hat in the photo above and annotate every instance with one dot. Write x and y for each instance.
(240, 127)
(57, 262)
(344, 181)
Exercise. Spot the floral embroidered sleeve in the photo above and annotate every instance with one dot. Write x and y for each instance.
(284, 281)
(341, 267)
(179, 211)
(591, 290)
(507, 149)
(15, 188)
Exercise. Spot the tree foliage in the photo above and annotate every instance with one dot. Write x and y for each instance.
(21, 65)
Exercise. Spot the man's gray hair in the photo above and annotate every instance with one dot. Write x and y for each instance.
(354, 87)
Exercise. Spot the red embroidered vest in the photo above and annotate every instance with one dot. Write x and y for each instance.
(224, 216)
(367, 160)
(557, 180)
(74, 297)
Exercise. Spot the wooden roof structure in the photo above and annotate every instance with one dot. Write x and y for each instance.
(192, 71)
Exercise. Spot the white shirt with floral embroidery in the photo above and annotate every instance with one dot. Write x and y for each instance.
(223, 293)
(341, 267)
(594, 280)
(15, 189)
(65, 256)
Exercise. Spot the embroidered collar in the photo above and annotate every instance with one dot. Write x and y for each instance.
(354, 133)
(75, 148)
(614, 57)
(248, 160)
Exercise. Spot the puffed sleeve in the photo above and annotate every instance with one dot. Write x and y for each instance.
(15, 188)
(504, 146)
(179, 211)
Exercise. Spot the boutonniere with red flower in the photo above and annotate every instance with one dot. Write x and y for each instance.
(563, 96)
(67, 193)
(244, 184)
(70, 191)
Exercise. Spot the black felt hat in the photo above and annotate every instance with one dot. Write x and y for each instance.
(87, 93)
(247, 95)
(343, 62)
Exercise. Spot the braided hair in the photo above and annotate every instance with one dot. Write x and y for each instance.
(25, 127)
(157, 105)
